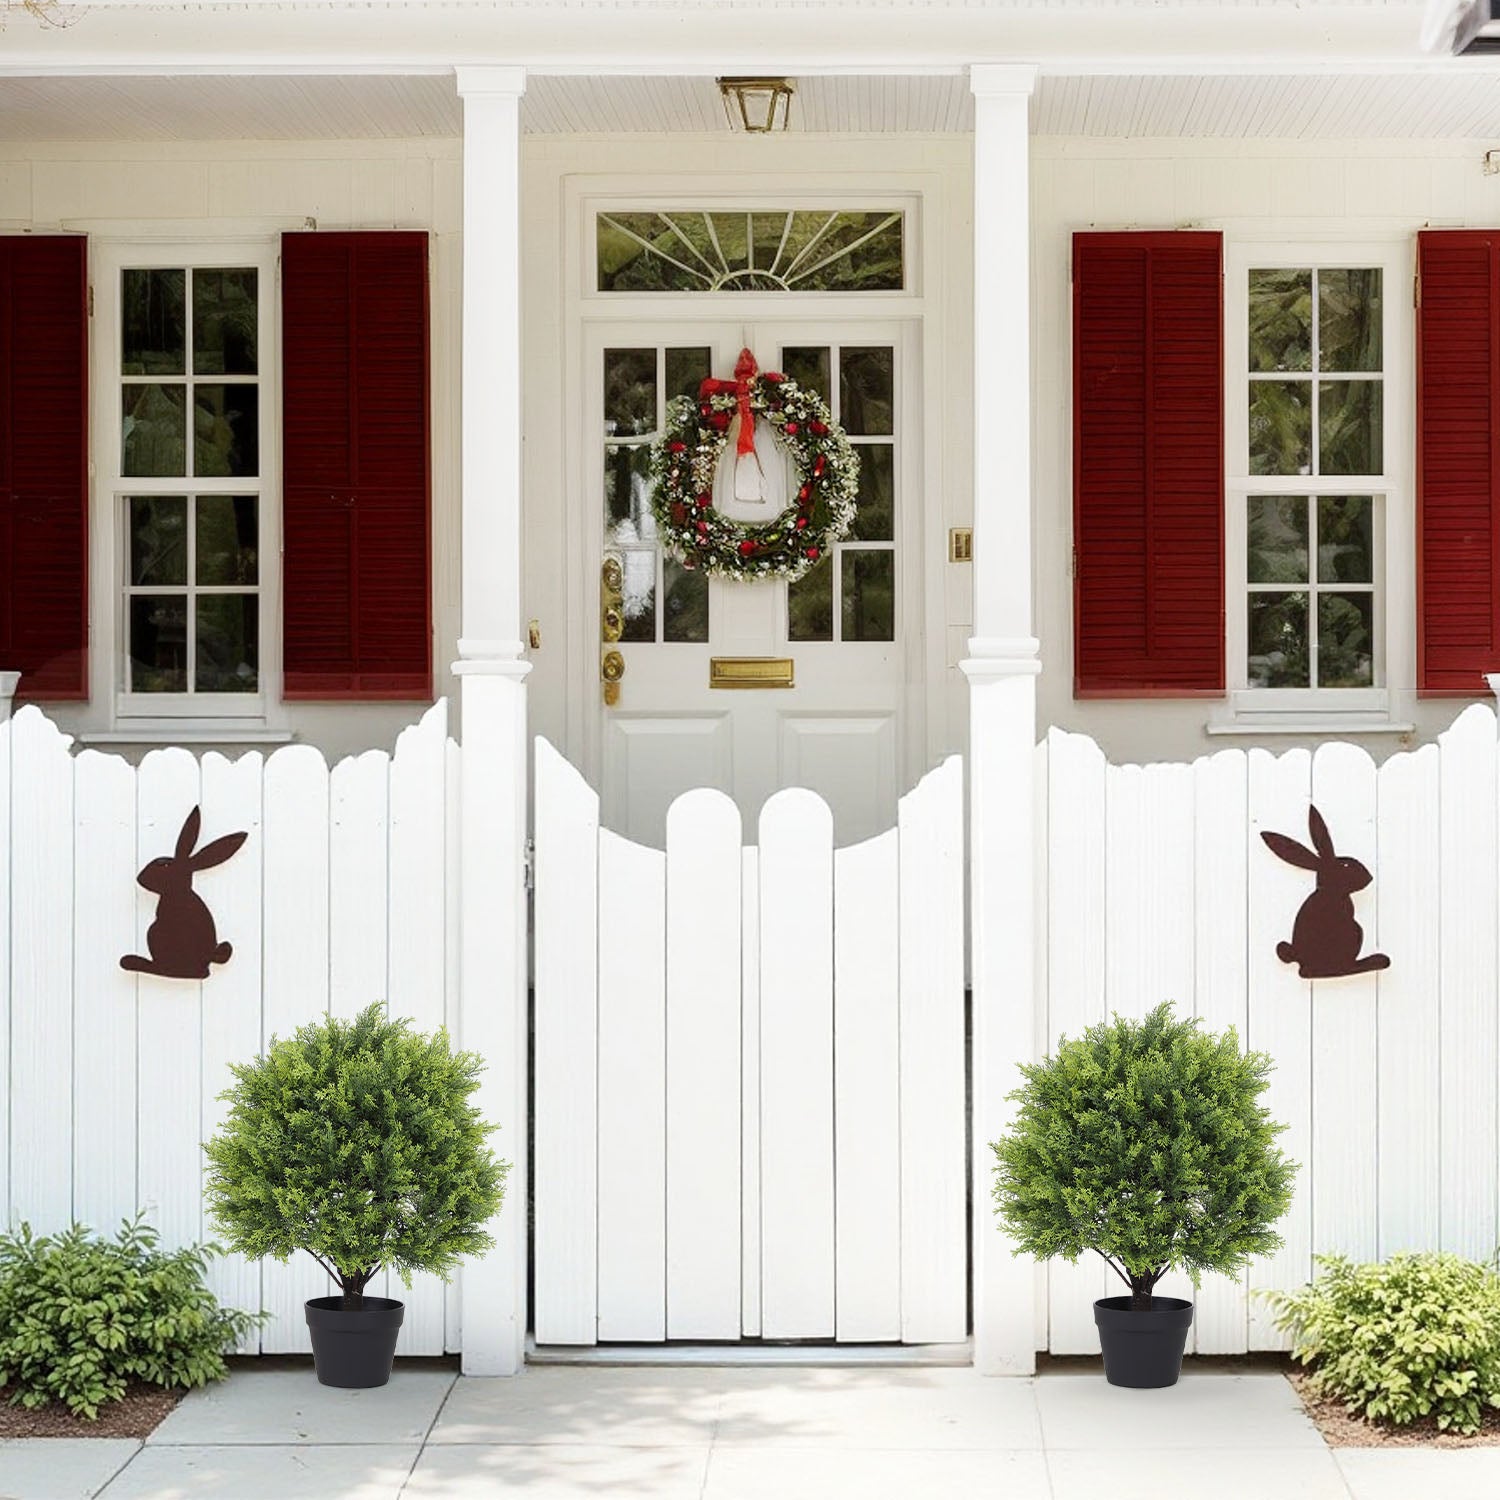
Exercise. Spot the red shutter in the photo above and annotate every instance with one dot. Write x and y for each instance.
(1458, 510)
(1148, 465)
(44, 463)
(355, 445)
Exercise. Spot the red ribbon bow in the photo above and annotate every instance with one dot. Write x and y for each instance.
(745, 370)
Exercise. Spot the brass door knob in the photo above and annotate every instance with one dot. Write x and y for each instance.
(611, 670)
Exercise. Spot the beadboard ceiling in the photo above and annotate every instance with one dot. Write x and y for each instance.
(1448, 104)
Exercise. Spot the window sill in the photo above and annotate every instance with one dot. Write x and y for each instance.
(186, 734)
(1348, 726)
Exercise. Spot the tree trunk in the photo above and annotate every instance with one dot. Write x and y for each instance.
(1140, 1292)
(353, 1289)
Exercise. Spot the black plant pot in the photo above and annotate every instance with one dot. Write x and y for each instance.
(354, 1348)
(1143, 1348)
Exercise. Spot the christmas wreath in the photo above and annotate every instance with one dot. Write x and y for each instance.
(685, 459)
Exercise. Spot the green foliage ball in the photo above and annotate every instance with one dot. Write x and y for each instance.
(1145, 1141)
(82, 1316)
(1413, 1336)
(358, 1142)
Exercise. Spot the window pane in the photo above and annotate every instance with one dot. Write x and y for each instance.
(809, 604)
(1349, 419)
(627, 495)
(226, 430)
(228, 627)
(685, 613)
(228, 545)
(809, 367)
(1276, 543)
(856, 253)
(1349, 320)
(687, 369)
(1346, 552)
(1280, 320)
(867, 390)
(158, 539)
(1345, 633)
(1278, 653)
(158, 643)
(224, 322)
(629, 392)
(1280, 426)
(639, 590)
(154, 430)
(877, 490)
(869, 596)
(152, 322)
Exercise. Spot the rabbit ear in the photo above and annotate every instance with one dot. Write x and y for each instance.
(189, 835)
(1291, 851)
(218, 851)
(1322, 842)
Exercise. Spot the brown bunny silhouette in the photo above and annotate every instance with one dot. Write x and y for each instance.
(1325, 937)
(182, 939)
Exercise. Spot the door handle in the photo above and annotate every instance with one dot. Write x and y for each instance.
(611, 626)
(611, 670)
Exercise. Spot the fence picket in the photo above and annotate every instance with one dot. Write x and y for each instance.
(750, 1092)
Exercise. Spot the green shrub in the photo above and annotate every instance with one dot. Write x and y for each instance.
(1413, 1336)
(80, 1316)
(1145, 1142)
(357, 1142)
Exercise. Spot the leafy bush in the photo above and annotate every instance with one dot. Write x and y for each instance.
(1144, 1141)
(356, 1141)
(81, 1316)
(1413, 1336)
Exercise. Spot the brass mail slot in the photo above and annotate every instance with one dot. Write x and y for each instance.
(751, 672)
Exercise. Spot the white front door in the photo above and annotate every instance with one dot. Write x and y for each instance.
(850, 629)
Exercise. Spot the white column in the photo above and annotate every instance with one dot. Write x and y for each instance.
(1001, 667)
(9, 682)
(492, 672)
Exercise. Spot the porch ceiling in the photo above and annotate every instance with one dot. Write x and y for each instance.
(1445, 104)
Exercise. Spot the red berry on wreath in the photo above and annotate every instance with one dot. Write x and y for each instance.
(802, 493)
(702, 528)
(812, 552)
(703, 501)
(774, 376)
(679, 512)
(792, 429)
(746, 548)
(677, 447)
(801, 522)
(819, 429)
(818, 467)
(720, 420)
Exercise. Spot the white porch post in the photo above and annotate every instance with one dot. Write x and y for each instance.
(492, 955)
(1001, 667)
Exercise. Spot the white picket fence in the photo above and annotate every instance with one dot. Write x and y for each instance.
(1158, 887)
(342, 894)
(750, 1113)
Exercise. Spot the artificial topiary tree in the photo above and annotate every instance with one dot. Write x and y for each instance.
(357, 1142)
(1144, 1141)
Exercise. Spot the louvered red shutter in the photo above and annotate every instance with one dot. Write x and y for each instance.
(355, 446)
(44, 463)
(1148, 465)
(1458, 509)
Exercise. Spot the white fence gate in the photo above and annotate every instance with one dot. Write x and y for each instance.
(750, 1072)
(342, 894)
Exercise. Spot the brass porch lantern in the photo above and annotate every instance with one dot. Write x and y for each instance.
(757, 105)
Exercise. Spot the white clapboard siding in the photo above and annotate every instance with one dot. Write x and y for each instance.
(934, 1188)
(867, 1090)
(566, 1122)
(703, 1067)
(796, 1067)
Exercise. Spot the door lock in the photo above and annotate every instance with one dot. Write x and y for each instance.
(611, 626)
(611, 670)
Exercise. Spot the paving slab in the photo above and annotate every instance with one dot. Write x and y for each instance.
(556, 1471)
(1201, 1411)
(61, 1468)
(261, 1471)
(1428, 1473)
(289, 1407)
(845, 1474)
(1224, 1474)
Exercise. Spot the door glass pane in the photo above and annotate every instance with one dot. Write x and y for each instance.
(1349, 419)
(226, 431)
(1280, 426)
(1277, 539)
(158, 643)
(1280, 320)
(869, 596)
(227, 540)
(1349, 320)
(627, 495)
(152, 322)
(1346, 552)
(639, 590)
(154, 430)
(687, 369)
(809, 367)
(685, 611)
(225, 326)
(228, 626)
(867, 390)
(877, 489)
(158, 539)
(1345, 633)
(629, 392)
(1278, 654)
(809, 604)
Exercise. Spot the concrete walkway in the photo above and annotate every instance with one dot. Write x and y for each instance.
(562, 1433)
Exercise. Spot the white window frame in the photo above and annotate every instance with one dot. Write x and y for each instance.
(1307, 708)
(110, 526)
